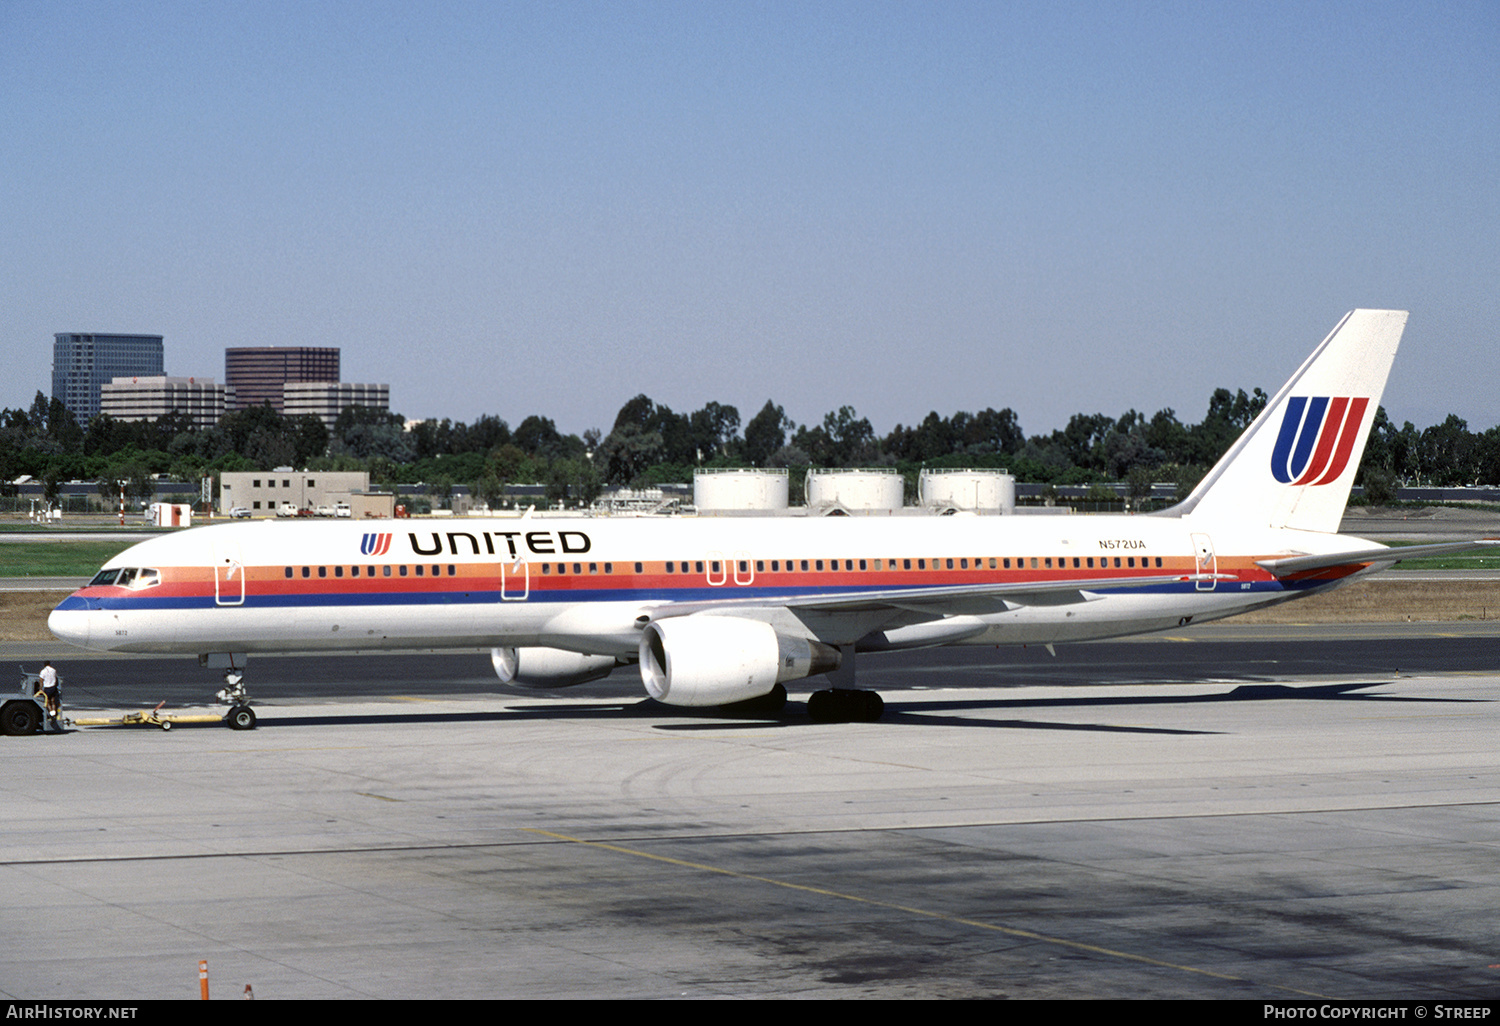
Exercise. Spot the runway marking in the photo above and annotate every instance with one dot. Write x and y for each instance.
(379, 797)
(1009, 931)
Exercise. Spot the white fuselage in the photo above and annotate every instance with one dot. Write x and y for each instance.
(589, 584)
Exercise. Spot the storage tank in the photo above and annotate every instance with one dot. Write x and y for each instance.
(729, 490)
(979, 491)
(874, 490)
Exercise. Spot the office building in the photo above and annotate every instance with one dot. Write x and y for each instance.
(265, 492)
(83, 363)
(259, 375)
(329, 399)
(147, 398)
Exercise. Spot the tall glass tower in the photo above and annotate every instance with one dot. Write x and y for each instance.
(82, 363)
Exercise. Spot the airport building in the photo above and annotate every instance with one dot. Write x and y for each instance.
(150, 397)
(83, 363)
(260, 375)
(264, 492)
(329, 399)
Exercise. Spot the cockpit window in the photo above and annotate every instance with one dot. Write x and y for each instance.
(127, 577)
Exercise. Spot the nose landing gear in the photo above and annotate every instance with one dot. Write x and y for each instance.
(233, 693)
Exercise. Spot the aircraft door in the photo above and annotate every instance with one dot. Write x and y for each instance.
(744, 568)
(718, 572)
(229, 573)
(1205, 562)
(515, 581)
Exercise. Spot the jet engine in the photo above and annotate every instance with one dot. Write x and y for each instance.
(716, 660)
(548, 667)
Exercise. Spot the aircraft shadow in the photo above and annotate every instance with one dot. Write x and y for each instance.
(898, 711)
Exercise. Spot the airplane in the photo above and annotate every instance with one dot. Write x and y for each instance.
(719, 611)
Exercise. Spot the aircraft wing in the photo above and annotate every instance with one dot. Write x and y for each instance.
(922, 603)
(1283, 566)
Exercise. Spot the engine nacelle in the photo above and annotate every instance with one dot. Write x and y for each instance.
(548, 667)
(715, 660)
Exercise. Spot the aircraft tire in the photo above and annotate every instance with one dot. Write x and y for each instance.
(241, 717)
(20, 718)
(842, 705)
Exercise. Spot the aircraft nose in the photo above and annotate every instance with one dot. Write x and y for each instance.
(70, 621)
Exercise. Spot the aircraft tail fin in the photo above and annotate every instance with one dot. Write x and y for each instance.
(1293, 467)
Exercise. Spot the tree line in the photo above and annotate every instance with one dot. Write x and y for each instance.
(649, 444)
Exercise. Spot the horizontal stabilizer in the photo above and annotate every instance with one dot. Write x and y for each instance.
(1285, 565)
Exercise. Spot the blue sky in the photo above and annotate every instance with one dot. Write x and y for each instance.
(518, 208)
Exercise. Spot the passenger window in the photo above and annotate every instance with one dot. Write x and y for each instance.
(698, 566)
(639, 567)
(322, 571)
(307, 571)
(289, 571)
(338, 571)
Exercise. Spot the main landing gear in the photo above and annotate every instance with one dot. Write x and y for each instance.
(844, 703)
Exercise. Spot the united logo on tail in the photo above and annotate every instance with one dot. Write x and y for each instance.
(1314, 449)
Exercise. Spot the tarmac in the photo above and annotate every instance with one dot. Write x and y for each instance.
(1267, 813)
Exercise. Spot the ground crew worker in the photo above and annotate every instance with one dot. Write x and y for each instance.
(50, 693)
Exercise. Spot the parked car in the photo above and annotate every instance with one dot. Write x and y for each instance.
(286, 509)
(240, 513)
(341, 509)
(325, 510)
